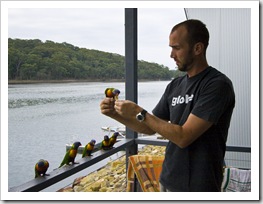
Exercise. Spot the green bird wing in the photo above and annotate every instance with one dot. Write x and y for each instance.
(84, 151)
(102, 144)
(36, 172)
(66, 159)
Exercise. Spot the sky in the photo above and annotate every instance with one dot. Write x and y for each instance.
(98, 28)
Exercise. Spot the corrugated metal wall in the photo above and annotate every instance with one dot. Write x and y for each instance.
(230, 52)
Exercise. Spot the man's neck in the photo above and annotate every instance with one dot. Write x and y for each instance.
(197, 68)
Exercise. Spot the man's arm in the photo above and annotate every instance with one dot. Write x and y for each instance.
(125, 112)
(180, 135)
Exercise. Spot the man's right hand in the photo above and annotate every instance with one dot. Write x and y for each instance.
(107, 107)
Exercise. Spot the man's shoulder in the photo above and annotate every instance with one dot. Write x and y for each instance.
(218, 82)
(218, 76)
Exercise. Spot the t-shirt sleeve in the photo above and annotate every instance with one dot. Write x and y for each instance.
(161, 110)
(214, 100)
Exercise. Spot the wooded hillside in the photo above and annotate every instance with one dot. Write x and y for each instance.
(37, 60)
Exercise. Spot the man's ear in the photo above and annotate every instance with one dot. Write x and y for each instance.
(198, 48)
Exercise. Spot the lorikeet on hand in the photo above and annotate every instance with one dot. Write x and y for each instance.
(112, 93)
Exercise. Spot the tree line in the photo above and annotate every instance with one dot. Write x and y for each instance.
(37, 60)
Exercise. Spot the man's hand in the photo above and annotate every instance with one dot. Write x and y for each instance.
(126, 108)
(124, 111)
(107, 107)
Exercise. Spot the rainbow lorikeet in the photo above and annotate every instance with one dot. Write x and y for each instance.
(41, 168)
(88, 148)
(71, 155)
(105, 144)
(113, 139)
(112, 93)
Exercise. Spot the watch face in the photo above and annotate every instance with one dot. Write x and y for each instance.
(139, 117)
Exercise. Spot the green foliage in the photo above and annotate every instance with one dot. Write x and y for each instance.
(37, 60)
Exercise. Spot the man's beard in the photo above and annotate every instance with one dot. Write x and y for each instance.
(188, 64)
(183, 68)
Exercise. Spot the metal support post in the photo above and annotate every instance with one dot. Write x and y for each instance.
(131, 79)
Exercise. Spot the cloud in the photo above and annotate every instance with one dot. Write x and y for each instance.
(89, 28)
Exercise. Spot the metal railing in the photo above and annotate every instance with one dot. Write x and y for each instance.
(59, 174)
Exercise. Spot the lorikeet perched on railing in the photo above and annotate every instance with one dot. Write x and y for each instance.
(105, 144)
(41, 168)
(71, 155)
(113, 139)
(88, 148)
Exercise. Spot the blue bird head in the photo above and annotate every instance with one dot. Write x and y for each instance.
(106, 137)
(116, 134)
(41, 163)
(116, 92)
(76, 145)
(93, 141)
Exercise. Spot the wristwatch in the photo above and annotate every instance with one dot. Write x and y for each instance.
(141, 116)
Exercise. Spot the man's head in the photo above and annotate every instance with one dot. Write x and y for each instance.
(189, 41)
(196, 32)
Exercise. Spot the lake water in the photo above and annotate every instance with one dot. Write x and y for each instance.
(42, 118)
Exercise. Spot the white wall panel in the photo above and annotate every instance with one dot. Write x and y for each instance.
(230, 52)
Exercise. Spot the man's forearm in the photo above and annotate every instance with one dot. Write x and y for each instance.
(133, 124)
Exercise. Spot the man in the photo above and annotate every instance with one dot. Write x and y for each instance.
(193, 114)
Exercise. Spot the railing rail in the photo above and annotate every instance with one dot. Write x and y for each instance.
(159, 142)
(59, 174)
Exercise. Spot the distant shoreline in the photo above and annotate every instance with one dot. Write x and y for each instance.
(60, 81)
(70, 81)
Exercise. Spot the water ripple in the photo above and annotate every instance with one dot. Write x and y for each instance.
(18, 103)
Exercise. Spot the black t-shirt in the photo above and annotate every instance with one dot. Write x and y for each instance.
(208, 95)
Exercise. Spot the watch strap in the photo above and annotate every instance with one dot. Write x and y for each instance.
(143, 112)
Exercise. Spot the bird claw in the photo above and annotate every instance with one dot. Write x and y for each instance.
(107, 148)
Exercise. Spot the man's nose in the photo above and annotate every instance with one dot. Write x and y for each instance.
(172, 55)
